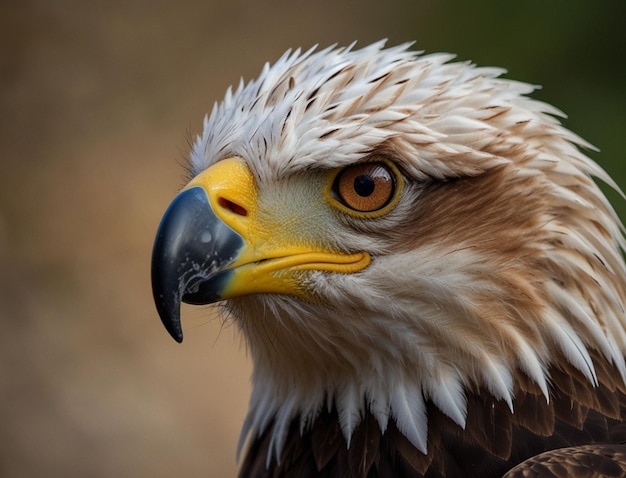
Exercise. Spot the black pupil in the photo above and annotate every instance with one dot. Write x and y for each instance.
(364, 185)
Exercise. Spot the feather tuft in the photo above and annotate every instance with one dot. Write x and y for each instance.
(409, 409)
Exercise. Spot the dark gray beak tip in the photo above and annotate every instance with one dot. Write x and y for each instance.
(185, 266)
(177, 335)
(165, 288)
(169, 312)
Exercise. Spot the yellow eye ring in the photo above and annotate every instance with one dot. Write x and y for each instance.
(368, 188)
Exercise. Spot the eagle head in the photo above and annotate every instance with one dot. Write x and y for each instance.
(396, 234)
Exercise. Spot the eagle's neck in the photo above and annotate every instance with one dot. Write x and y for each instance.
(364, 368)
(493, 439)
(350, 361)
(398, 353)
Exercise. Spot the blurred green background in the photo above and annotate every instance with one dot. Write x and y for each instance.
(98, 102)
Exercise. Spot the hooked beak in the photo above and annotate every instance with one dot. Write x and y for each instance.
(193, 247)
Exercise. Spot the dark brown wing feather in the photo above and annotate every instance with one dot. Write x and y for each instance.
(583, 421)
(365, 446)
(326, 438)
(588, 461)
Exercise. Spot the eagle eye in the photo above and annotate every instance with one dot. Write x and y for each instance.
(365, 187)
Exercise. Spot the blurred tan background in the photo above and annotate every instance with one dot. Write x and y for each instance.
(98, 101)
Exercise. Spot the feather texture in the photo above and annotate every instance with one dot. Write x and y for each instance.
(590, 461)
(493, 441)
(489, 326)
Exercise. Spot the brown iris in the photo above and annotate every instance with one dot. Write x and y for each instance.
(365, 187)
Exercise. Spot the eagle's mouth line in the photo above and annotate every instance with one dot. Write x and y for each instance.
(327, 261)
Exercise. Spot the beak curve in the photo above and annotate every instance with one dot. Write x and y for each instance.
(191, 252)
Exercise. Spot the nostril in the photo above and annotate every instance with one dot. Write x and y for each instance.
(232, 207)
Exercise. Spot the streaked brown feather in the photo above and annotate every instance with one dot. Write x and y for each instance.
(364, 448)
(590, 461)
(579, 388)
(607, 401)
(535, 413)
(489, 424)
(326, 438)
(568, 411)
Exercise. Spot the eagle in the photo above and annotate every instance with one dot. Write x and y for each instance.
(427, 276)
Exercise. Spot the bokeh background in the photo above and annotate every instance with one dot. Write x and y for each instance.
(98, 102)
